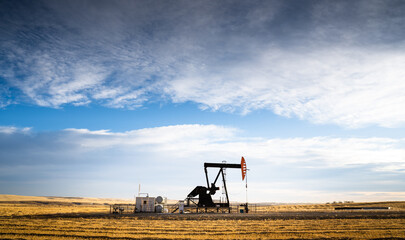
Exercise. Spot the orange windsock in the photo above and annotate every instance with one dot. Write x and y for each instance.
(243, 168)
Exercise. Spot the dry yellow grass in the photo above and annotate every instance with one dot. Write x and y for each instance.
(33, 220)
(14, 205)
(399, 206)
(129, 227)
(21, 209)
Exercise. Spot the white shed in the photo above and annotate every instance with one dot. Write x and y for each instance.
(145, 204)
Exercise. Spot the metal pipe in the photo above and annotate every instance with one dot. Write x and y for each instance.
(219, 172)
(206, 176)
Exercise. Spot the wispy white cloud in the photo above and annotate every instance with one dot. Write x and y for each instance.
(4, 96)
(11, 130)
(192, 140)
(163, 157)
(352, 88)
(325, 62)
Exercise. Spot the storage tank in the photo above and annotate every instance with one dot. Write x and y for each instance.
(159, 208)
(159, 199)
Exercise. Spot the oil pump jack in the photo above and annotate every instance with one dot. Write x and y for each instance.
(204, 199)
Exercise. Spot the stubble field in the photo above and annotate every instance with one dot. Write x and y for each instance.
(89, 219)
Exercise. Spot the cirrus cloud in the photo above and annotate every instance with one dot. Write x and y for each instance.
(325, 62)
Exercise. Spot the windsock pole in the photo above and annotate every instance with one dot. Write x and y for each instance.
(246, 190)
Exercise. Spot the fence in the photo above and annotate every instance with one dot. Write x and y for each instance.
(122, 208)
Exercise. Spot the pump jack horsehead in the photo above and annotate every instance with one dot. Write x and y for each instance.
(204, 199)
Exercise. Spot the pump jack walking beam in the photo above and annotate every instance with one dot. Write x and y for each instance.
(221, 167)
(218, 165)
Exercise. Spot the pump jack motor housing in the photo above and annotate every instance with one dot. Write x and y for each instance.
(204, 193)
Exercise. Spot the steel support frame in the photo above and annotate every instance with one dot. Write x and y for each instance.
(221, 166)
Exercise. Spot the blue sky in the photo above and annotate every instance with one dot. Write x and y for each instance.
(97, 97)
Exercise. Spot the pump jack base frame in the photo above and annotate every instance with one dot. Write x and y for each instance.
(213, 209)
(204, 200)
(196, 209)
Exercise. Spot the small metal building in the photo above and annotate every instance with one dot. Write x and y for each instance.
(145, 204)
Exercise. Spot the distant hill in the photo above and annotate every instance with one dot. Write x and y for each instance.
(83, 200)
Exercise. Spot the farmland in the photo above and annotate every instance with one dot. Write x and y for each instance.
(45, 218)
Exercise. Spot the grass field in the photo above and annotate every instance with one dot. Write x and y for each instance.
(43, 218)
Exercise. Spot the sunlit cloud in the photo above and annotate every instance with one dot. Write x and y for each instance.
(352, 88)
